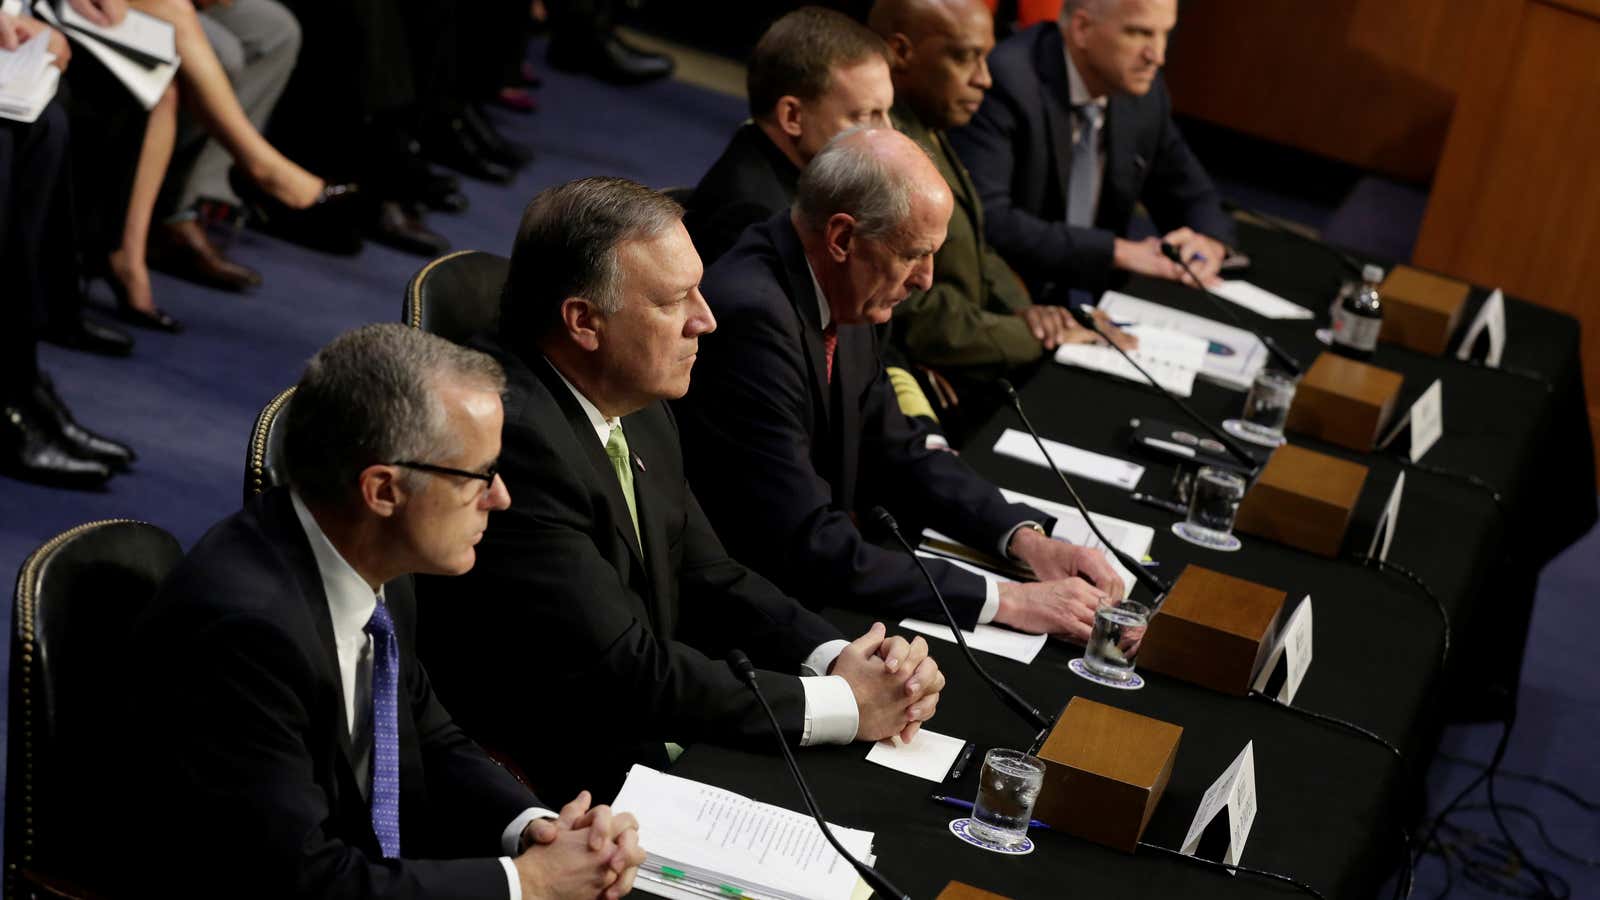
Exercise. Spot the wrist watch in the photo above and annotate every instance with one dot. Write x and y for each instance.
(1026, 526)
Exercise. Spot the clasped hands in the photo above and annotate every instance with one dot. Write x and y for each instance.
(1072, 583)
(895, 682)
(585, 853)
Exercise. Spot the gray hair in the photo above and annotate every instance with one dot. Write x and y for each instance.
(847, 177)
(567, 247)
(1095, 8)
(372, 396)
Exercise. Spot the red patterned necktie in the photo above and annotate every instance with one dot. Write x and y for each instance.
(830, 343)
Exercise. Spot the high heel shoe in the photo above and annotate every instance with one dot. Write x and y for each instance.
(330, 224)
(155, 318)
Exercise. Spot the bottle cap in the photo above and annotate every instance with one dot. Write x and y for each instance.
(1371, 273)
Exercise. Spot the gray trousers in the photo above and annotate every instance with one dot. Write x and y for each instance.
(257, 42)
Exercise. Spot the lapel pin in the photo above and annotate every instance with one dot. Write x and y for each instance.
(638, 461)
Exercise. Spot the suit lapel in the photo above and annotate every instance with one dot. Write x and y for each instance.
(802, 293)
(1122, 162)
(652, 524)
(850, 373)
(1051, 60)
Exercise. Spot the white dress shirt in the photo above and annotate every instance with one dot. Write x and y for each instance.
(991, 589)
(1078, 95)
(831, 716)
(351, 602)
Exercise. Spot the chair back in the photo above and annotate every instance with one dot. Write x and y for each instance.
(457, 295)
(263, 460)
(75, 602)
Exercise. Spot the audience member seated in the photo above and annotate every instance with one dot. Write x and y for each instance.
(286, 734)
(39, 439)
(603, 581)
(812, 75)
(791, 432)
(1076, 130)
(257, 42)
(977, 321)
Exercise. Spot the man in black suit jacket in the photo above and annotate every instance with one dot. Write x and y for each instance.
(1076, 130)
(287, 737)
(603, 580)
(792, 430)
(814, 73)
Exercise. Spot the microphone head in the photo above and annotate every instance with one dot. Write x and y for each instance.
(1084, 314)
(1170, 251)
(1005, 386)
(884, 518)
(741, 665)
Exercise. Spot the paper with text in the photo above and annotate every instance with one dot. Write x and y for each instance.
(720, 837)
(1131, 538)
(1235, 791)
(1491, 316)
(146, 85)
(928, 755)
(1260, 301)
(1427, 419)
(1172, 358)
(1073, 461)
(1233, 355)
(1293, 642)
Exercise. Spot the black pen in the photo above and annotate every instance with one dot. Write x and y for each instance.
(962, 758)
(1168, 505)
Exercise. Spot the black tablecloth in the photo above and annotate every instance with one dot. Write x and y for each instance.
(1332, 803)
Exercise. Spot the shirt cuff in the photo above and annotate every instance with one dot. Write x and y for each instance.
(1005, 540)
(821, 659)
(831, 714)
(513, 883)
(991, 602)
(511, 838)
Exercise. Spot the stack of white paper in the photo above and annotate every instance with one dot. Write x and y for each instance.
(149, 37)
(1233, 356)
(27, 79)
(1129, 537)
(1260, 301)
(1171, 357)
(716, 837)
(1072, 460)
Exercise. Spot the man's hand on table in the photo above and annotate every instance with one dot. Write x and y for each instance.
(585, 852)
(895, 682)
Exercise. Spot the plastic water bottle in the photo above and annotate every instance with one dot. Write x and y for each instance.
(1359, 318)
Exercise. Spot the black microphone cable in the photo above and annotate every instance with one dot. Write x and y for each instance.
(1235, 868)
(1466, 478)
(1382, 565)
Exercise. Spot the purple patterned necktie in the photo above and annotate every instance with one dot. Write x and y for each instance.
(385, 731)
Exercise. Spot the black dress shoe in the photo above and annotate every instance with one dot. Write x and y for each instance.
(155, 318)
(449, 145)
(399, 226)
(441, 192)
(30, 452)
(609, 59)
(82, 333)
(494, 145)
(330, 225)
(80, 440)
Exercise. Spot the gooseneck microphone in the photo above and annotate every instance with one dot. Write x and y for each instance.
(1288, 362)
(1007, 695)
(745, 671)
(1086, 318)
(1140, 573)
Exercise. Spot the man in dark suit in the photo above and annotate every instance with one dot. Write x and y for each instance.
(791, 428)
(287, 737)
(814, 73)
(1077, 130)
(603, 580)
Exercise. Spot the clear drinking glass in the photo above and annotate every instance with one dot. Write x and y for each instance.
(1266, 407)
(1213, 502)
(1113, 642)
(1007, 787)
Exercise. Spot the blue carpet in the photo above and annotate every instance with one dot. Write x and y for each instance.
(188, 402)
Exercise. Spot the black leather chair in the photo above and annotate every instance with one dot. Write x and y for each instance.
(76, 598)
(263, 460)
(457, 295)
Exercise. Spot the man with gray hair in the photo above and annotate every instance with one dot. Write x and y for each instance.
(604, 571)
(1077, 130)
(792, 430)
(285, 727)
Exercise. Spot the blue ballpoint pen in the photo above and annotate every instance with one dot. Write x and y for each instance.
(967, 805)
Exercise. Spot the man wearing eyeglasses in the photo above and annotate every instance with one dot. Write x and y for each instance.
(287, 735)
(603, 585)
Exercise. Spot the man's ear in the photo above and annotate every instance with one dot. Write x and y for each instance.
(900, 51)
(1076, 27)
(788, 113)
(381, 491)
(838, 236)
(581, 320)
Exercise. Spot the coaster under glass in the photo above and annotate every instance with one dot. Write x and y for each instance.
(1211, 540)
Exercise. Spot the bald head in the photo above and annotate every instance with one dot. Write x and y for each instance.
(938, 55)
(871, 210)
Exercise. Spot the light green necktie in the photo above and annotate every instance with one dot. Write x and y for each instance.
(617, 452)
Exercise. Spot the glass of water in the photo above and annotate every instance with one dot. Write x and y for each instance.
(1007, 787)
(1115, 639)
(1213, 502)
(1266, 407)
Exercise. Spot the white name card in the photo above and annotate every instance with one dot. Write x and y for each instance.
(1384, 536)
(1425, 418)
(1294, 647)
(1492, 315)
(1234, 791)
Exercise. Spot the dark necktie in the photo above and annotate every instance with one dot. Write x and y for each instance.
(385, 731)
(830, 343)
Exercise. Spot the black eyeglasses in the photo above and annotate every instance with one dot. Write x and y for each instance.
(487, 476)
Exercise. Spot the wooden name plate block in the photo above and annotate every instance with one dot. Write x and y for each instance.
(1105, 769)
(1304, 499)
(1420, 310)
(1213, 630)
(957, 890)
(1344, 402)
